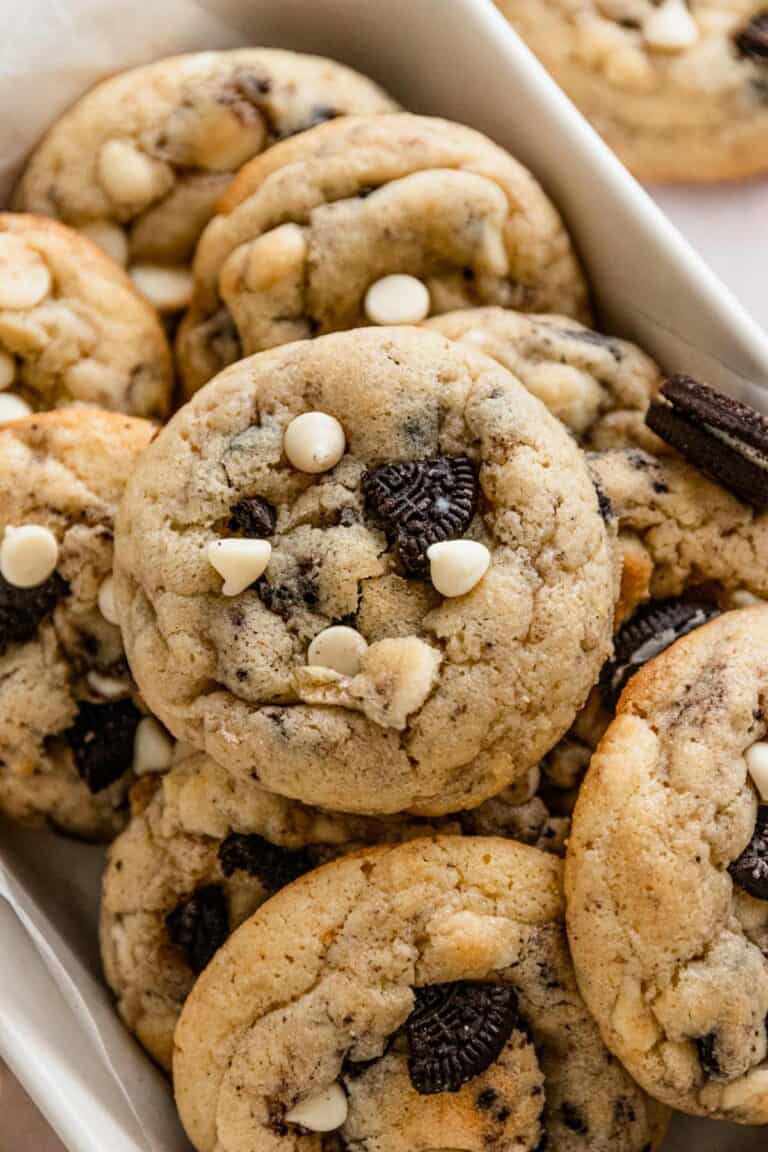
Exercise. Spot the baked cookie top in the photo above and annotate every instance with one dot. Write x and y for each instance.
(68, 708)
(73, 329)
(666, 874)
(599, 386)
(406, 492)
(203, 851)
(139, 161)
(411, 997)
(679, 88)
(310, 236)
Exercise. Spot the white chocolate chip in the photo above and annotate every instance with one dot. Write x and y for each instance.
(314, 442)
(397, 299)
(741, 598)
(28, 555)
(455, 566)
(152, 747)
(339, 648)
(107, 600)
(110, 238)
(24, 276)
(670, 27)
(129, 176)
(7, 370)
(110, 687)
(757, 766)
(475, 336)
(12, 407)
(240, 562)
(323, 1112)
(169, 289)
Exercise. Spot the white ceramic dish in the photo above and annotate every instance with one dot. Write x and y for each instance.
(455, 58)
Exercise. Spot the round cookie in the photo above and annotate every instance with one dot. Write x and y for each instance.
(140, 160)
(427, 990)
(201, 853)
(676, 87)
(599, 386)
(666, 874)
(306, 230)
(68, 708)
(456, 696)
(73, 329)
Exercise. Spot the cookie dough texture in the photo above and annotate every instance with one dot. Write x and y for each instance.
(305, 229)
(699, 113)
(321, 978)
(599, 386)
(66, 471)
(91, 338)
(171, 848)
(670, 954)
(456, 698)
(149, 151)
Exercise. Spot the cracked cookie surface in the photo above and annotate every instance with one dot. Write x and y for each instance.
(456, 698)
(307, 228)
(671, 951)
(319, 988)
(73, 329)
(68, 708)
(195, 828)
(679, 88)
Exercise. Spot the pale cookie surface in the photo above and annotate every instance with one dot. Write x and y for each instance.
(68, 710)
(667, 875)
(73, 330)
(140, 160)
(599, 386)
(319, 987)
(679, 88)
(456, 698)
(216, 850)
(305, 230)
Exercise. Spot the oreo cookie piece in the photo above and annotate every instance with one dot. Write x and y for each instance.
(272, 865)
(456, 1031)
(199, 926)
(724, 438)
(421, 502)
(101, 740)
(652, 628)
(752, 41)
(750, 870)
(22, 610)
(253, 517)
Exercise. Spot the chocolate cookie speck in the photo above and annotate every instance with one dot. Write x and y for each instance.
(101, 740)
(23, 609)
(750, 869)
(273, 865)
(199, 926)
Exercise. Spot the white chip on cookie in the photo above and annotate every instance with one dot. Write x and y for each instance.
(314, 442)
(110, 687)
(107, 600)
(339, 648)
(152, 747)
(670, 27)
(240, 562)
(7, 369)
(397, 299)
(169, 289)
(24, 276)
(323, 1112)
(110, 238)
(12, 407)
(28, 555)
(757, 766)
(456, 566)
(128, 175)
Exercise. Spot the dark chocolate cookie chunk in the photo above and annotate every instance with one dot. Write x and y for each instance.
(23, 609)
(273, 865)
(724, 438)
(199, 926)
(421, 502)
(254, 516)
(456, 1031)
(752, 41)
(647, 633)
(750, 870)
(101, 740)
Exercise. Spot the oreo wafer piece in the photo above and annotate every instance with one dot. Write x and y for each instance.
(646, 634)
(724, 438)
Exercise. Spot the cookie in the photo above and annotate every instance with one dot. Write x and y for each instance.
(410, 997)
(667, 917)
(679, 88)
(73, 329)
(724, 438)
(140, 160)
(599, 386)
(334, 662)
(69, 712)
(201, 854)
(372, 220)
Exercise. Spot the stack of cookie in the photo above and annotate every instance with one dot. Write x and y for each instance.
(332, 650)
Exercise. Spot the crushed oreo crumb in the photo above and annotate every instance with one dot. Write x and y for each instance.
(272, 865)
(199, 926)
(253, 517)
(752, 41)
(101, 740)
(750, 869)
(706, 1046)
(22, 610)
